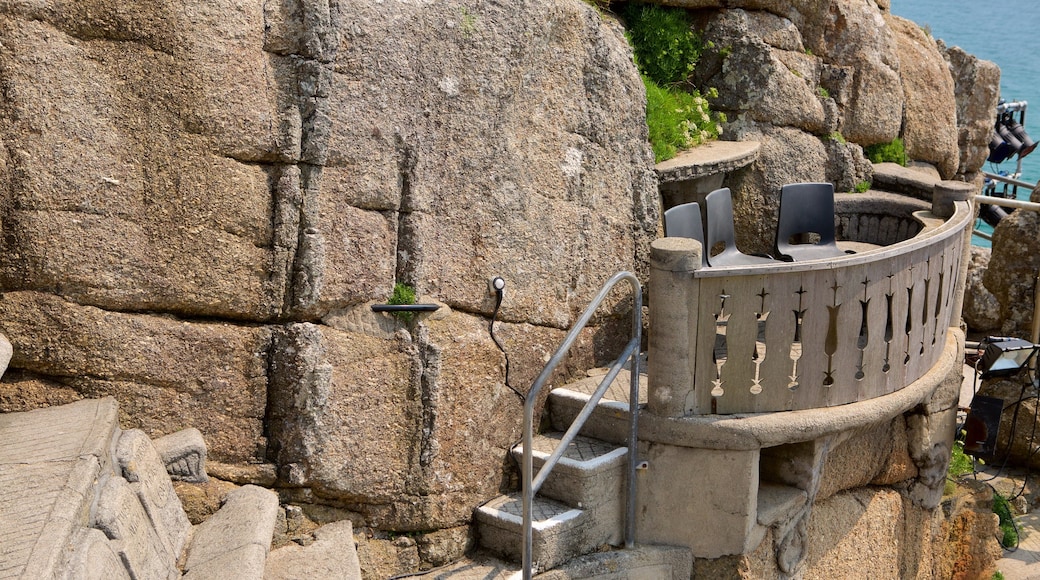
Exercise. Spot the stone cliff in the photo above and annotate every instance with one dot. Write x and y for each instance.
(200, 201)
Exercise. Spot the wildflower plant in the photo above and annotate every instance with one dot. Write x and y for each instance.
(666, 51)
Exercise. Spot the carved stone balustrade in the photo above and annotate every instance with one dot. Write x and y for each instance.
(788, 336)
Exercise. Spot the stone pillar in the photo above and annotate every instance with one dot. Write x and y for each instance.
(673, 295)
(947, 192)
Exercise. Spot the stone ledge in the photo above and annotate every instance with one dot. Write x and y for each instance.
(914, 181)
(708, 159)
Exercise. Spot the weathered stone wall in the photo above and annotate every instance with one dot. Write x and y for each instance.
(200, 201)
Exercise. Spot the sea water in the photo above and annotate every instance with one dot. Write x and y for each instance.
(1002, 32)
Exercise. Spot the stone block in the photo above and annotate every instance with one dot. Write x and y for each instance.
(855, 535)
(236, 538)
(108, 216)
(43, 504)
(184, 455)
(146, 472)
(331, 555)
(93, 557)
(686, 491)
(88, 429)
(241, 563)
(165, 373)
(393, 413)
(124, 520)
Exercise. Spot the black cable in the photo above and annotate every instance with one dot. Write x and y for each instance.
(499, 285)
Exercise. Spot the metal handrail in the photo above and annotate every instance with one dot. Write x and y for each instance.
(530, 484)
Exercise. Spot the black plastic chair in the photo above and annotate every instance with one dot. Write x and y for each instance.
(806, 208)
(719, 205)
(684, 221)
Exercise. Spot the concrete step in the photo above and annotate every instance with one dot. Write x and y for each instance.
(609, 421)
(589, 474)
(638, 563)
(777, 503)
(560, 531)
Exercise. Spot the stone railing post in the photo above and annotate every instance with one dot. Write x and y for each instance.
(673, 297)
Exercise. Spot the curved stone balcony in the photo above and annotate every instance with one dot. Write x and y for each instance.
(802, 335)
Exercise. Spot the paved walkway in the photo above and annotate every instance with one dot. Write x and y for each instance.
(1022, 563)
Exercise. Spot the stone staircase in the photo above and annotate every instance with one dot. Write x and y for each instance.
(579, 512)
(82, 499)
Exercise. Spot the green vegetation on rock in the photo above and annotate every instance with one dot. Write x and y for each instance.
(1002, 508)
(678, 120)
(666, 50)
(403, 294)
(891, 152)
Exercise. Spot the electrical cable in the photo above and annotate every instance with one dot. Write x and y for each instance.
(499, 286)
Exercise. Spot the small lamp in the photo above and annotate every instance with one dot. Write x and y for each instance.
(1005, 357)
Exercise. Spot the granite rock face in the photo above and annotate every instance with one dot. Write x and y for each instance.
(977, 91)
(200, 205)
(201, 202)
(930, 128)
(1013, 265)
(817, 82)
(981, 310)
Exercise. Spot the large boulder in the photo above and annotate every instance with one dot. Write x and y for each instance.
(1013, 266)
(977, 92)
(930, 120)
(981, 310)
(853, 39)
(763, 71)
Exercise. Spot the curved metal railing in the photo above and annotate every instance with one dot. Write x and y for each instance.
(531, 484)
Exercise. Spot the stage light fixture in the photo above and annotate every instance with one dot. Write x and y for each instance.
(1005, 357)
(1017, 131)
(999, 151)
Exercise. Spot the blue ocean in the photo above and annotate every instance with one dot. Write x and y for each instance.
(1000, 32)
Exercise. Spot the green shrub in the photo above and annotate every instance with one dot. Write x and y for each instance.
(678, 120)
(862, 186)
(960, 462)
(823, 92)
(1002, 508)
(893, 152)
(403, 294)
(666, 48)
